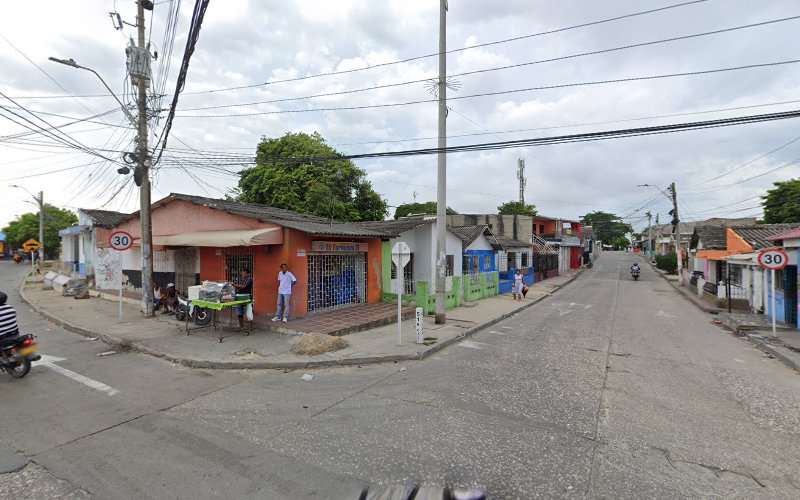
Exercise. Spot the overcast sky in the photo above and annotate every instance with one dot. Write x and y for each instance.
(251, 42)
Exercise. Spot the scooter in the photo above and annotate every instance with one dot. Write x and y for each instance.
(201, 315)
(17, 352)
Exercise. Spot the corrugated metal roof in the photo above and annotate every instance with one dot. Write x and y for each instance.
(757, 236)
(511, 242)
(468, 234)
(394, 228)
(788, 235)
(104, 218)
(712, 237)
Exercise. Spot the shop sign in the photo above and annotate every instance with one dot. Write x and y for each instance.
(301, 252)
(338, 246)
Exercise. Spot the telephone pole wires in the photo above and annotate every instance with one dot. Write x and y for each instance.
(441, 184)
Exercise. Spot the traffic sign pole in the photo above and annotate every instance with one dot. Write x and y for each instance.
(774, 312)
(400, 302)
(121, 241)
(773, 259)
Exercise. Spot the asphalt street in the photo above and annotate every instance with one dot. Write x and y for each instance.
(610, 388)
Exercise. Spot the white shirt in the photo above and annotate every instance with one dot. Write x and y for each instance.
(285, 281)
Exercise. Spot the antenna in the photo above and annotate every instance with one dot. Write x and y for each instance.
(522, 180)
(414, 194)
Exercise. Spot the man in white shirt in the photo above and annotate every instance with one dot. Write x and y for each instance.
(286, 281)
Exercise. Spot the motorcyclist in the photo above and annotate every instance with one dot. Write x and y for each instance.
(635, 268)
(8, 318)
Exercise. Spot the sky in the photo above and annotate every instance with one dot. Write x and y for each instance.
(260, 44)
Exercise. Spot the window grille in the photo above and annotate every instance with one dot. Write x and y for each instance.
(237, 260)
(465, 265)
(449, 263)
(336, 280)
(487, 263)
(525, 257)
(409, 285)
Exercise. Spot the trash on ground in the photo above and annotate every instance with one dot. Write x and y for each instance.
(403, 369)
(312, 344)
(307, 377)
(106, 353)
(717, 322)
(91, 339)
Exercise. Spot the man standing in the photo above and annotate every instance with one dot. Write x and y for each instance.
(286, 281)
(244, 287)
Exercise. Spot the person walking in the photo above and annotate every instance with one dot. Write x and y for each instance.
(519, 285)
(286, 281)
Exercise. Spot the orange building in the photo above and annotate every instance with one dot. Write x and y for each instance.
(197, 239)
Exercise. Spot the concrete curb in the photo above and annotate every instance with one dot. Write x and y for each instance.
(138, 347)
(788, 357)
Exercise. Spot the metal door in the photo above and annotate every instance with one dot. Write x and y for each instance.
(336, 280)
(185, 269)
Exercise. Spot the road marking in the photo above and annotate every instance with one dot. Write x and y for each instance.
(471, 344)
(662, 314)
(507, 327)
(49, 362)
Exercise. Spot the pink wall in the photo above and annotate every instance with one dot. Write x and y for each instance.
(179, 216)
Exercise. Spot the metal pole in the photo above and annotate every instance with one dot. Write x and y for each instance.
(400, 288)
(774, 311)
(441, 184)
(41, 226)
(728, 290)
(649, 234)
(120, 288)
(144, 191)
(677, 229)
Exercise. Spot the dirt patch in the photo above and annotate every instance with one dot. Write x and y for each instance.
(312, 344)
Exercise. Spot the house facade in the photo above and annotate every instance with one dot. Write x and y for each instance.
(79, 245)
(197, 239)
(787, 288)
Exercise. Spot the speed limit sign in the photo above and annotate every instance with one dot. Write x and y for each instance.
(773, 259)
(120, 241)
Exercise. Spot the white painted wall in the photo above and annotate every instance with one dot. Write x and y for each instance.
(480, 243)
(107, 268)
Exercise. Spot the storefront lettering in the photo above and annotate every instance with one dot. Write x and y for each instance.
(338, 246)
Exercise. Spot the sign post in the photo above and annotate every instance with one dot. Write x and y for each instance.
(401, 255)
(773, 259)
(120, 241)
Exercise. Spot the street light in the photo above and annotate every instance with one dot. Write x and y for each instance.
(39, 201)
(72, 63)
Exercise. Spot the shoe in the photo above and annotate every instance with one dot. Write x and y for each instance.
(285, 320)
(276, 319)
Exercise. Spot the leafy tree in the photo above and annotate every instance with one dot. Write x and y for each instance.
(782, 203)
(607, 226)
(428, 207)
(622, 243)
(26, 226)
(516, 208)
(301, 172)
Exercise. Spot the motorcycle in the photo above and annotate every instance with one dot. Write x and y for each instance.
(635, 275)
(17, 258)
(200, 315)
(17, 352)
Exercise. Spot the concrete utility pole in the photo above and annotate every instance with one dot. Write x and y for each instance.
(649, 234)
(676, 228)
(144, 169)
(41, 225)
(522, 180)
(441, 185)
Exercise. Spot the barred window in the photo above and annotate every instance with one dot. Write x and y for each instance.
(449, 263)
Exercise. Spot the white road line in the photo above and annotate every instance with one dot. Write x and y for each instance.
(507, 327)
(49, 362)
(498, 333)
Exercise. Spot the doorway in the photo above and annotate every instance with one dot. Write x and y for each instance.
(790, 295)
(336, 280)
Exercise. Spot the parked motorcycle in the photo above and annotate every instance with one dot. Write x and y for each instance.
(200, 315)
(17, 352)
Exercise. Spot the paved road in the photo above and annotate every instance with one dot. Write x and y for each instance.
(608, 389)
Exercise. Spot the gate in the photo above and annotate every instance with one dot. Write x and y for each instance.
(236, 261)
(336, 280)
(790, 297)
(185, 269)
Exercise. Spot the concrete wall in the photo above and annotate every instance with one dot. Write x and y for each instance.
(519, 227)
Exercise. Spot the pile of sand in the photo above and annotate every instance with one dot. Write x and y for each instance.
(312, 344)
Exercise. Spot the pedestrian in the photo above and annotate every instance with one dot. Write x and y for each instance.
(157, 296)
(286, 281)
(244, 287)
(519, 285)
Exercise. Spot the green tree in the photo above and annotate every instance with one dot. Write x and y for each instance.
(516, 208)
(26, 226)
(782, 203)
(622, 243)
(607, 226)
(428, 208)
(301, 172)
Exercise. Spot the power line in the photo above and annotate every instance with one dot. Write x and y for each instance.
(506, 92)
(549, 32)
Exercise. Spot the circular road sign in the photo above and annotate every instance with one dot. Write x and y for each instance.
(773, 259)
(120, 240)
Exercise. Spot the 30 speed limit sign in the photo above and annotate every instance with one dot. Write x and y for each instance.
(773, 259)
(120, 241)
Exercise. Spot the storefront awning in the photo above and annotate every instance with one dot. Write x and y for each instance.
(236, 238)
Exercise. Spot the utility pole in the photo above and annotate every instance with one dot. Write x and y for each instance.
(441, 184)
(41, 227)
(649, 234)
(144, 171)
(676, 228)
(522, 180)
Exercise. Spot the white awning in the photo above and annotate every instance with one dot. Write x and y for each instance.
(743, 258)
(236, 238)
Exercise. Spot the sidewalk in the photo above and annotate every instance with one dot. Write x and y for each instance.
(672, 279)
(164, 337)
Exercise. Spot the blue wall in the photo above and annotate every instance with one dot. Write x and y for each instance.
(780, 300)
(507, 280)
(480, 254)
